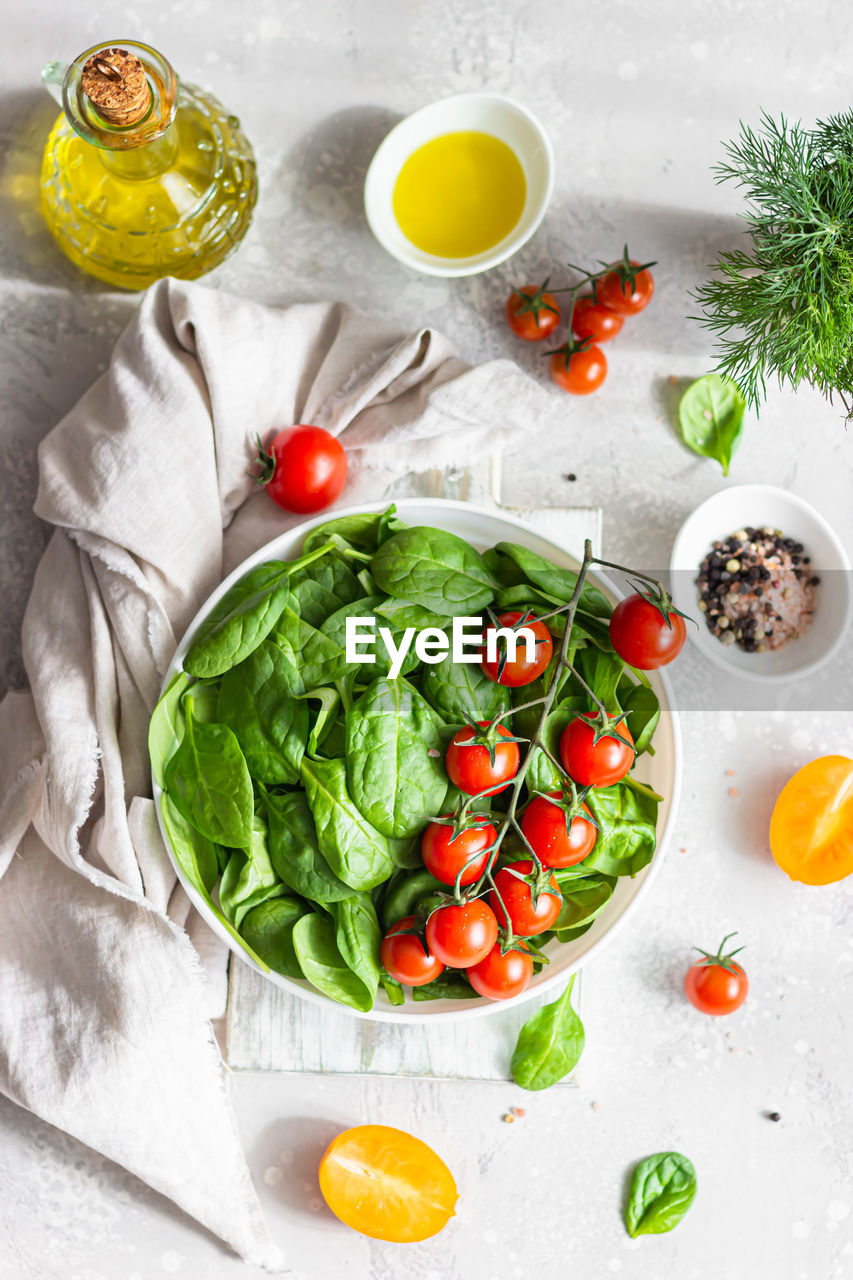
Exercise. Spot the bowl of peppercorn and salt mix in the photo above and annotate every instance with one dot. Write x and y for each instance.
(767, 581)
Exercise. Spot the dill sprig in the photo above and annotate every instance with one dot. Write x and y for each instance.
(783, 309)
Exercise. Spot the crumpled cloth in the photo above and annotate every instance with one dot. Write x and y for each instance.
(108, 977)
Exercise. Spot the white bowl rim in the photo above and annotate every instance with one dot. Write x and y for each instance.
(475, 264)
(718, 654)
(425, 1016)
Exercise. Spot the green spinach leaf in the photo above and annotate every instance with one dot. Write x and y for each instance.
(293, 849)
(549, 1045)
(626, 839)
(435, 569)
(357, 853)
(447, 986)
(323, 965)
(249, 877)
(319, 589)
(268, 931)
(208, 781)
(358, 939)
(405, 891)
(584, 897)
(643, 708)
(663, 1187)
(394, 757)
(710, 415)
(260, 701)
(557, 583)
(461, 692)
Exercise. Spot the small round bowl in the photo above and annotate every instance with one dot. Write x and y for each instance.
(759, 505)
(483, 113)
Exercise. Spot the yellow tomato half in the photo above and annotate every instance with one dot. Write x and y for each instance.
(387, 1184)
(811, 830)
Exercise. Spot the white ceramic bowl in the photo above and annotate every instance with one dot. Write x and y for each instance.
(482, 528)
(759, 505)
(484, 113)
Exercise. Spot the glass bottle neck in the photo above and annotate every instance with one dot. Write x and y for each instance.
(122, 140)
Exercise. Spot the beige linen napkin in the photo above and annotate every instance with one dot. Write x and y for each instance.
(104, 1004)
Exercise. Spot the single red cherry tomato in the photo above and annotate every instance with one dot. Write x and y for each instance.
(544, 826)
(405, 958)
(524, 918)
(471, 769)
(522, 669)
(500, 977)
(717, 984)
(580, 373)
(619, 295)
(532, 313)
(642, 636)
(595, 764)
(445, 856)
(304, 469)
(462, 934)
(592, 320)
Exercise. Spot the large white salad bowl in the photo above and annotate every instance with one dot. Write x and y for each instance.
(662, 771)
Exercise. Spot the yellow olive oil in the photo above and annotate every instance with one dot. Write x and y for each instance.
(459, 194)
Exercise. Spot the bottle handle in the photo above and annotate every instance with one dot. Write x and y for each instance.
(53, 78)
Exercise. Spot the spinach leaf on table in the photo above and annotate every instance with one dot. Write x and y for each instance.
(626, 839)
(710, 415)
(249, 877)
(549, 1045)
(268, 931)
(461, 692)
(663, 1187)
(293, 849)
(314, 941)
(435, 569)
(208, 781)
(393, 778)
(260, 701)
(358, 939)
(357, 853)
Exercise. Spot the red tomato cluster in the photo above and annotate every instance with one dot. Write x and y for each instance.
(580, 366)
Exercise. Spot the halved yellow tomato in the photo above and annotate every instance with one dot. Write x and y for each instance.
(811, 829)
(387, 1184)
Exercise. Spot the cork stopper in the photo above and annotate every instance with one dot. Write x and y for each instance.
(115, 83)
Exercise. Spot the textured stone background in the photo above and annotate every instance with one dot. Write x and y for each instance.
(637, 98)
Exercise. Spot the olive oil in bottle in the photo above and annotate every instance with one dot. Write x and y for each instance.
(143, 176)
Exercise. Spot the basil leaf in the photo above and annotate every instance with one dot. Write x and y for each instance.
(268, 930)
(293, 849)
(643, 708)
(559, 583)
(353, 848)
(249, 877)
(358, 939)
(710, 415)
(626, 839)
(392, 777)
(461, 692)
(208, 781)
(435, 569)
(663, 1187)
(259, 702)
(324, 966)
(549, 1045)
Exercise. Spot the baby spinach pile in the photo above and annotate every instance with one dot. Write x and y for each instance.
(297, 784)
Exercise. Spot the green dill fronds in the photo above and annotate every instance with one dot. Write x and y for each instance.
(783, 308)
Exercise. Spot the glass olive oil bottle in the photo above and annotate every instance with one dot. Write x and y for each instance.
(143, 176)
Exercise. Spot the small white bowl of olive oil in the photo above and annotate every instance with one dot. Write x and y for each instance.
(460, 185)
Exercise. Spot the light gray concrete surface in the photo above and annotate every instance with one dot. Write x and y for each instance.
(637, 98)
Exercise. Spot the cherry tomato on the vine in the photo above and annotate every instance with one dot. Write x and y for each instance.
(590, 319)
(304, 468)
(524, 918)
(500, 977)
(522, 669)
(579, 373)
(716, 984)
(544, 826)
(595, 764)
(642, 636)
(445, 855)
(621, 295)
(470, 767)
(532, 313)
(405, 957)
(462, 934)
